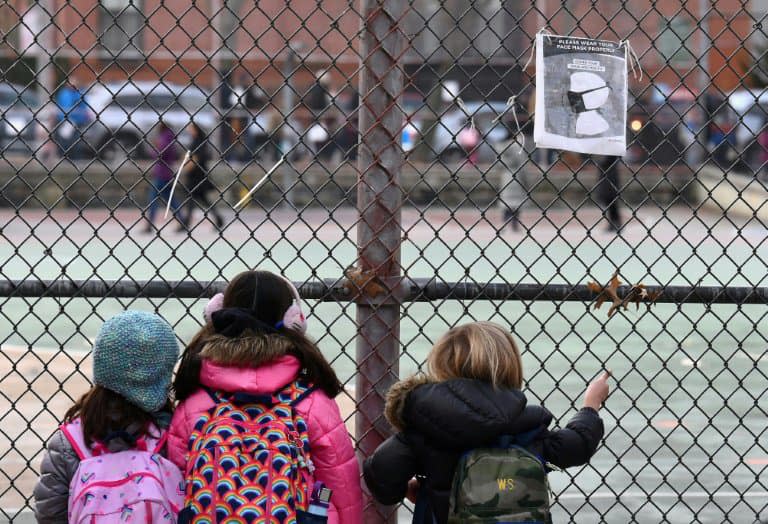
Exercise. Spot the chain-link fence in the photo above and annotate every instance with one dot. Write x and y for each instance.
(393, 225)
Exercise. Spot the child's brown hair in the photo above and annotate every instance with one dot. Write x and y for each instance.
(102, 412)
(479, 350)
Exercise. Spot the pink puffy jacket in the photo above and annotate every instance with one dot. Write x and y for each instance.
(332, 452)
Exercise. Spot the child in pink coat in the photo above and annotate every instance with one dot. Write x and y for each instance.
(253, 346)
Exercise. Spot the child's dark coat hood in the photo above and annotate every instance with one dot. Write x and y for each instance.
(461, 413)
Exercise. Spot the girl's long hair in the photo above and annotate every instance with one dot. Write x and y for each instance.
(269, 297)
(102, 411)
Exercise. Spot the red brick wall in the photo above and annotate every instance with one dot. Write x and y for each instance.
(641, 22)
(326, 37)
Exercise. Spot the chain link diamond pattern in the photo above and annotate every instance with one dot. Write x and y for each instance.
(391, 229)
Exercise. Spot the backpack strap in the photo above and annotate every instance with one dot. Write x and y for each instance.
(73, 431)
(422, 511)
(307, 390)
(296, 391)
(161, 442)
(240, 397)
(527, 438)
(506, 441)
(213, 395)
(520, 439)
(524, 441)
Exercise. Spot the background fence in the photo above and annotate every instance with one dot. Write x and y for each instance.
(392, 230)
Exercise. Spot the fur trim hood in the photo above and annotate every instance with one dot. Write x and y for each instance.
(247, 351)
(396, 397)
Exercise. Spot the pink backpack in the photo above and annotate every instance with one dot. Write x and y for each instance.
(136, 485)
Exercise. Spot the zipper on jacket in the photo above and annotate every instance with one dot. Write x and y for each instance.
(215, 480)
(269, 488)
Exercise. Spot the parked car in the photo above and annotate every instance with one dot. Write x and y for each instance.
(18, 125)
(126, 113)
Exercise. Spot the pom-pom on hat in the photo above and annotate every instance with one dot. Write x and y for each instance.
(134, 355)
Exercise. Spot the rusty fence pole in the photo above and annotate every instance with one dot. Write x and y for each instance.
(379, 198)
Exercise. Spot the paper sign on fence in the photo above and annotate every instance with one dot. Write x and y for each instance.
(581, 95)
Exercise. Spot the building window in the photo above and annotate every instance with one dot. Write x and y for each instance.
(675, 42)
(120, 25)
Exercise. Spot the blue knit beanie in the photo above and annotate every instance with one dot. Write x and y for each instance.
(133, 356)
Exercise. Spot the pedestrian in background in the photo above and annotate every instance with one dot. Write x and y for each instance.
(318, 97)
(46, 135)
(317, 136)
(346, 139)
(513, 190)
(608, 192)
(199, 185)
(469, 139)
(162, 176)
(762, 140)
(72, 119)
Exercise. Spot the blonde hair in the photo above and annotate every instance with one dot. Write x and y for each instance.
(479, 350)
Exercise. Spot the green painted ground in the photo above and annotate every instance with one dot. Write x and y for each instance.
(687, 413)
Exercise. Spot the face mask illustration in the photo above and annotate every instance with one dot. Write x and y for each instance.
(588, 100)
(591, 123)
(587, 93)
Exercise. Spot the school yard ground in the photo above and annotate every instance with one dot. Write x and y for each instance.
(684, 413)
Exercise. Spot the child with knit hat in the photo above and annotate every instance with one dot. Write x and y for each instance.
(122, 419)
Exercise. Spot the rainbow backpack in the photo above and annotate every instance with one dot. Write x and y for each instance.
(135, 485)
(249, 460)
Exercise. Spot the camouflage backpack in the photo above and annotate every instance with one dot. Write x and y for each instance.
(500, 485)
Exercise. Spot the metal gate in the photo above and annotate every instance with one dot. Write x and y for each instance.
(349, 115)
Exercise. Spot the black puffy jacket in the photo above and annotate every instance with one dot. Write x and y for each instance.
(438, 422)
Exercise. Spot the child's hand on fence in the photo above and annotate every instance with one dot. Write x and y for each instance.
(597, 391)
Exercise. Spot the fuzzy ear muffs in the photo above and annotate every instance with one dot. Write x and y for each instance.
(294, 317)
(213, 305)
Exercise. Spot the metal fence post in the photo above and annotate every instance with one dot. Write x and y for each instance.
(44, 49)
(288, 110)
(378, 231)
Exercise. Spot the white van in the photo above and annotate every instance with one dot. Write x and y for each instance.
(125, 114)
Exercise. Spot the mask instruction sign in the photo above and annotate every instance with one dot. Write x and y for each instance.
(581, 95)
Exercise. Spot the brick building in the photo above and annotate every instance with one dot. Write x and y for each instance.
(176, 40)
